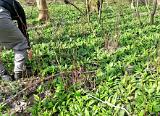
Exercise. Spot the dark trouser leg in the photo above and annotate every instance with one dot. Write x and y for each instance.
(3, 73)
(12, 38)
(2, 69)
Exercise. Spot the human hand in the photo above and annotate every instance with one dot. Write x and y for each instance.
(29, 54)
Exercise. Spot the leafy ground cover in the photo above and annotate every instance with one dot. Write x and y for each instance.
(116, 61)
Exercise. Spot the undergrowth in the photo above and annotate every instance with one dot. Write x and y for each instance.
(127, 76)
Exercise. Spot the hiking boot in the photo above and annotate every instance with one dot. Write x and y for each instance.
(5, 76)
(18, 75)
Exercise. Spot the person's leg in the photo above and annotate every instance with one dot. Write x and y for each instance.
(20, 57)
(19, 63)
(3, 73)
(2, 69)
(12, 38)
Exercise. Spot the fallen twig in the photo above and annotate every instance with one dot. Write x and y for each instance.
(28, 88)
(38, 27)
(109, 104)
(32, 87)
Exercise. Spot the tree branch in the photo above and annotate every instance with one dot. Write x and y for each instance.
(68, 2)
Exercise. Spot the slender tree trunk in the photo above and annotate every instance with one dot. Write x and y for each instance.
(158, 2)
(147, 5)
(153, 12)
(99, 9)
(137, 12)
(88, 10)
(135, 7)
(43, 10)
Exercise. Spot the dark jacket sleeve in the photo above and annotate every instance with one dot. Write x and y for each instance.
(21, 19)
(17, 13)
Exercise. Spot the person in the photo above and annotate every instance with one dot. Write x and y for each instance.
(13, 36)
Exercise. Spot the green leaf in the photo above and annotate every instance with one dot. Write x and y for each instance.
(36, 97)
(86, 112)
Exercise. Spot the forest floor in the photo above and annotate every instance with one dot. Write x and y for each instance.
(80, 68)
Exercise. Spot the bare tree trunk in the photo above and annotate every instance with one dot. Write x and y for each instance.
(136, 9)
(137, 12)
(153, 12)
(147, 5)
(43, 10)
(139, 1)
(99, 9)
(158, 2)
(88, 10)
